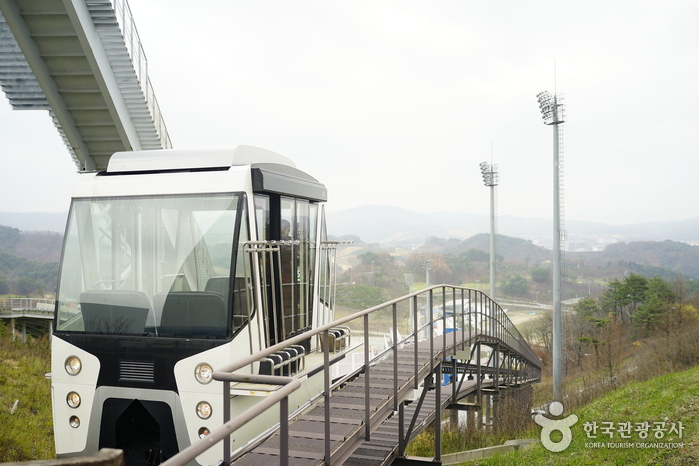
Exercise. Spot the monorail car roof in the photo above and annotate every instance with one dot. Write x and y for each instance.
(192, 159)
(269, 171)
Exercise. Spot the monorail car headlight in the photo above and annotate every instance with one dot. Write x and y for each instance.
(204, 410)
(73, 365)
(204, 373)
(74, 422)
(73, 399)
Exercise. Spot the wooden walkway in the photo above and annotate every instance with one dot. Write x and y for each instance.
(347, 414)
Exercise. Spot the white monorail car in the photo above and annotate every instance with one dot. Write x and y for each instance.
(157, 288)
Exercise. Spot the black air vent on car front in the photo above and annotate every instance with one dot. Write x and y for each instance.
(136, 371)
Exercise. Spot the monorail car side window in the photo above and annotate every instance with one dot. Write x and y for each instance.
(289, 266)
(262, 217)
(312, 257)
(242, 300)
(303, 275)
(324, 288)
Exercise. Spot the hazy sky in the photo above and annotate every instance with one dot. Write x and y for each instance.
(397, 102)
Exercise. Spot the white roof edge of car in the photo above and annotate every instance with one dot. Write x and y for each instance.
(184, 159)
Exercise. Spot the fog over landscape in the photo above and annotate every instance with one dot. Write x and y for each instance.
(394, 225)
(397, 102)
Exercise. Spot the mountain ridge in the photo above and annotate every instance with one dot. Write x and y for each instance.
(396, 225)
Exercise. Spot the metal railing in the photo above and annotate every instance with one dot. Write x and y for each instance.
(486, 321)
(132, 41)
(38, 304)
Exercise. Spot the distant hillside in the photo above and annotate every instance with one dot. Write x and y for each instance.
(510, 249)
(28, 261)
(666, 259)
(677, 257)
(395, 225)
(653, 248)
(40, 246)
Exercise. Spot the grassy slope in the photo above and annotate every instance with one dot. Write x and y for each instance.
(28, 433)
(674, 396)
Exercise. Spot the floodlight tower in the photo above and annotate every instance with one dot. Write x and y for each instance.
(490, 178)
(427, 265)
(553, 114)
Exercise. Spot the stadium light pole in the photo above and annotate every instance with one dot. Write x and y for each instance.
(490, 178)
(553, 114)
(427, 265)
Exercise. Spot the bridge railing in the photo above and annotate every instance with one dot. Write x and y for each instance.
(478, 319)
(132, 40)
(39, 304)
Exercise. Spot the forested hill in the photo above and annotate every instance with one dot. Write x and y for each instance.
(644, 256)
(28, 261)
(508, 248)
(665, 259)
(41, 246)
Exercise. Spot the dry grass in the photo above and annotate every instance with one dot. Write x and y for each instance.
(27, 432)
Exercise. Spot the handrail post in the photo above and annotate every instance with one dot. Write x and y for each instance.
(226, 417)
(394, 310)
(463, 321)
(429, 305)
(478, 372)
(367, 387)
(416, 331)
(401, 430)
(470, 318)
(444, 323)
(497, 366)
(326, 383)
(455, 318)
(438, 415)
(284, 431)
(454, 377)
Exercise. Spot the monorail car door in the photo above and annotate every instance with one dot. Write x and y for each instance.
(290, 225)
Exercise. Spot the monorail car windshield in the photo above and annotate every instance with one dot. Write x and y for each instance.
(176, 263)
(155, 266)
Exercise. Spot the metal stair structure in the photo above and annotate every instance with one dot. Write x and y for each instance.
(81, 60)
(367, 415)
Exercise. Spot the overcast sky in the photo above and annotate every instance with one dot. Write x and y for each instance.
(397, 102)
